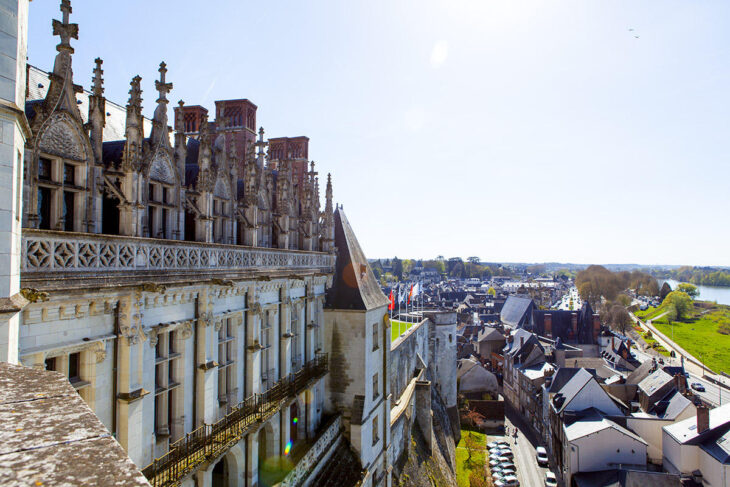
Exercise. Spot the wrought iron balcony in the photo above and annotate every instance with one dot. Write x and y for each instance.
(52, 255)
(212, 440)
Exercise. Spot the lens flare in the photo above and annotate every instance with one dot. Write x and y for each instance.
(287, 448)
(295, 420)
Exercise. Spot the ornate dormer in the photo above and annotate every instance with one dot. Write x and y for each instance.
(134, 131)
(97, 111)
(62, 91)
(160, 132)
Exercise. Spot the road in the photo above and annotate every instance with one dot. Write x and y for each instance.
(714, 395)
(577, 302)
(529, 473)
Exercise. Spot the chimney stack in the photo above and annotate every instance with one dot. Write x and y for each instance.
(574, 325)
(522, 341)
(703, 419)
(548, 325)
(596, 326)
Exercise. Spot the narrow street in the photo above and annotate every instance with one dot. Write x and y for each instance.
(529, 473)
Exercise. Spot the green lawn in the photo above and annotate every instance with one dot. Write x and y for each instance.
(478, 458)
(397, 328)
(701, 334)
(649, 313)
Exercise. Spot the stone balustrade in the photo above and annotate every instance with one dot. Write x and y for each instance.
(52, 253)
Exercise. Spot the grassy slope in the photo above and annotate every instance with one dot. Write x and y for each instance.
(699, 334)
(464, 467)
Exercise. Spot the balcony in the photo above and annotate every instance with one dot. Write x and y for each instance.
(209, 441)
(78, 259)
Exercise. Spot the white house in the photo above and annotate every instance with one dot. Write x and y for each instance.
(700, 444)
(596, 443)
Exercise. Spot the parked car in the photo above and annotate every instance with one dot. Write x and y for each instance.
(506, 453)
(492, 444)
(550, 479)
(509, 481)
(493, 463)
(507, 466)
(542, 458)
(698, 387)
(503, 443)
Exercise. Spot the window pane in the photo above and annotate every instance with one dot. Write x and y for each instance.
(73, 366)
(68, 210)
(44, 208)
(68, 174)
(44, 169)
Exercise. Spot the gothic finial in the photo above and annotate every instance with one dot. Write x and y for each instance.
(161, 86)
(98, 86)
(135, 92)
(64, 29)
(261, 134)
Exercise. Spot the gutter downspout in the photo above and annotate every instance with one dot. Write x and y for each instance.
(115, 371)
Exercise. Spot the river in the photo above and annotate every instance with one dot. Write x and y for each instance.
(707, 293)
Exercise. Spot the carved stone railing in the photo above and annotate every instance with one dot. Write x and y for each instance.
(55, 253)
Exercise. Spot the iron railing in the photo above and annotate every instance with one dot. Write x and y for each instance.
(212, 440)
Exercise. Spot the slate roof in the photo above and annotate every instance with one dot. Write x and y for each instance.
(116, 115)
(593, 424)
(516, 311)
(640, 373)
(561, 377)
(572, 388)
(626, 478)
(655, 382)
(49, 436)
(671, 405)
(489, 334)
(685, 432)
(354, 285)
(719, 448)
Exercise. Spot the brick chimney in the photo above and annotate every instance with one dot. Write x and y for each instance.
(548, 325)
(522, 341)
(703, 419)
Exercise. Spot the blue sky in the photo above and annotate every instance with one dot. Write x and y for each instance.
(511, 130)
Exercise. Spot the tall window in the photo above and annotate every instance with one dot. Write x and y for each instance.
(226, 360)
(160, 209)
(70, 365)
(375, 386)
(166, 383)
(375, 337)
(60, 194)
(265, 340)
(376, 433)
(296, 356)
(221, 218)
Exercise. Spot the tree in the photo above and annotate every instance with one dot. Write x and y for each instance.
(619, 318)
(472, 444)
(690, 289)
(679, 304)
(491, 291)
(624, 300)
(665, 290)
(479, 480)
(473, 259)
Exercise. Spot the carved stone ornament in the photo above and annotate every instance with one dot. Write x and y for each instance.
(205, 319)
(222, 282)
(186, 330)
(255, 347)
(62, 139)
(34, 295)
(256, 309)
(218, 324)
(161, 169)
(152, 287)
(100, 352)
(153, 337)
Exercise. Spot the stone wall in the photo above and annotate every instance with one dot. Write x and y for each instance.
(408, 354)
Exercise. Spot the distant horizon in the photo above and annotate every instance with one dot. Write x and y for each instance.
(556, 263)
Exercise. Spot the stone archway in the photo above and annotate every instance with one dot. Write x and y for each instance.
(268, 463)
(228, 472)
